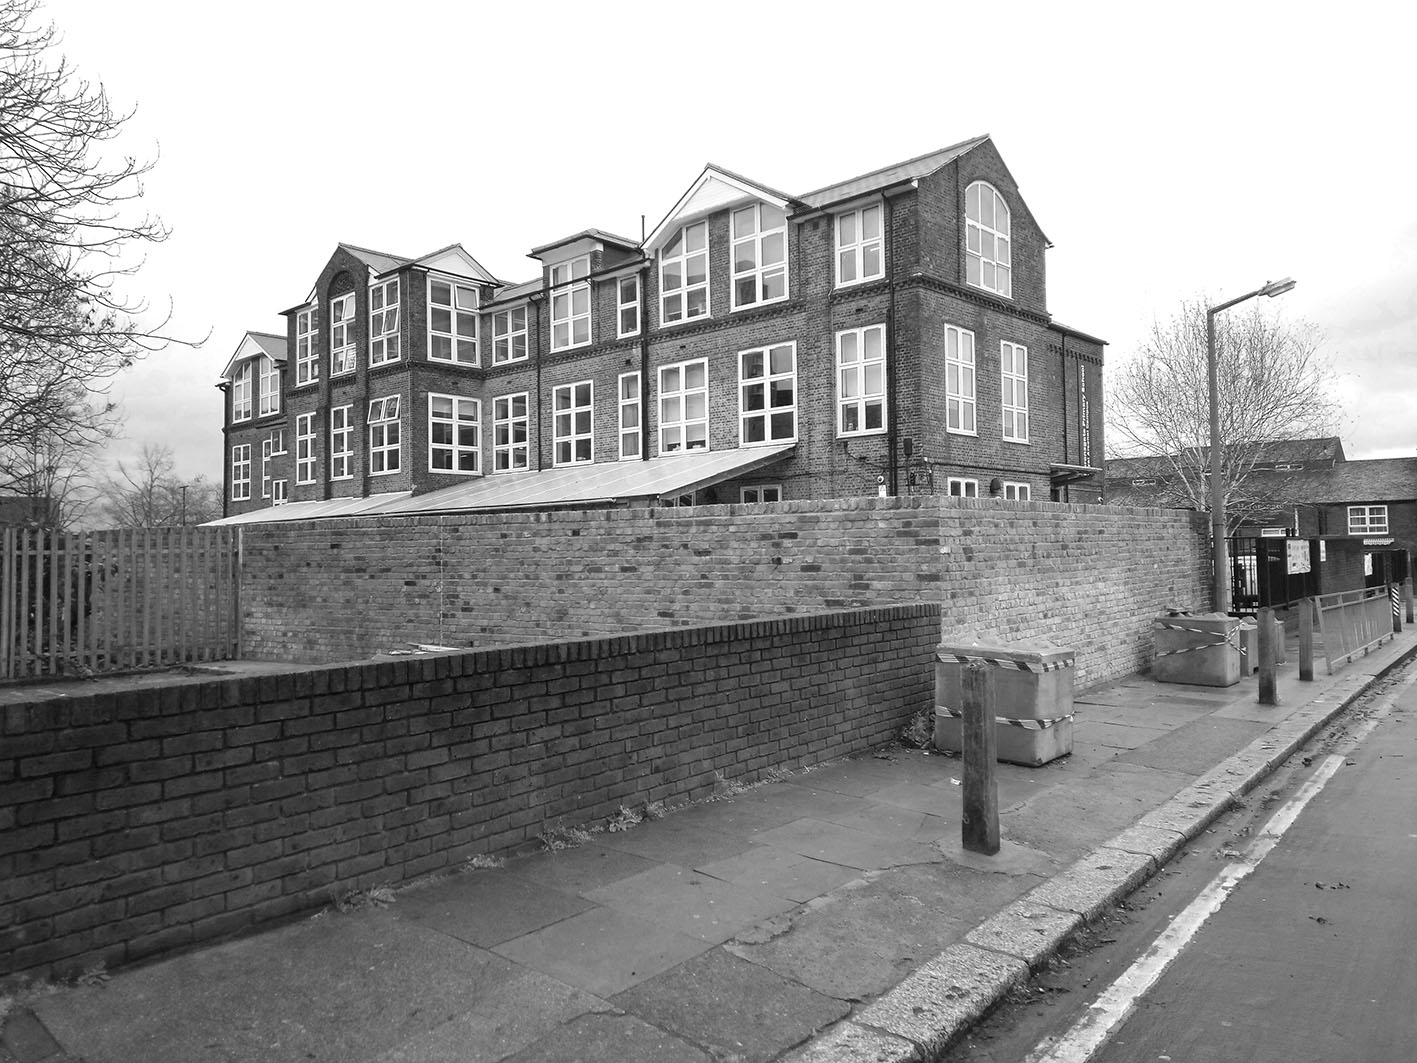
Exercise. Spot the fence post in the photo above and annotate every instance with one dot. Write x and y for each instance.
(1396, 595)
(1407, 597)
(978, 742)
(1264, 646)
(1306, 640)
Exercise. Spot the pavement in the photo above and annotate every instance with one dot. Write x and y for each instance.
(829, 915)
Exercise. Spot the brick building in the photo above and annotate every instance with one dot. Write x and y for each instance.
(886, 333)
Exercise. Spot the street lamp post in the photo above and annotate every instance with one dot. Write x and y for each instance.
(1219, 552)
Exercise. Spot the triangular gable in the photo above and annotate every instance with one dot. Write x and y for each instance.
(454, 260)
(715, 189)
(253, 345)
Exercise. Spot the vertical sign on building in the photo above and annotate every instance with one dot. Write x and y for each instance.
(1084, 415)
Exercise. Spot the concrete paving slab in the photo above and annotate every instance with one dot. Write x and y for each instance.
(836, 844)
(1195, 747)
(1072, 817)
(858, 776)
(338, 989)
(892, 821)
(602, 951)
(938, 800)
(691, 902)
(517, 1013)
(578, 869)
(779, 872)
(610, 1039)
(1118, 736)
(486, 908)
(25, 1039)
(1011, 859)
(734, 1009)
(675, 841)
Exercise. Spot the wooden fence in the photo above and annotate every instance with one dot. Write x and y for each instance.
(112, 601)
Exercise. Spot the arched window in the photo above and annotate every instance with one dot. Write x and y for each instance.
(988, 260)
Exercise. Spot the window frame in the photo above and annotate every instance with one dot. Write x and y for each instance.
(766, 413)
(1019, 382)
(858, 248)
(385, 436)
(343, 345)
(379, 331)
(455, 449)
(307, 347)
(305, 449)
(975, 231)
(505, 336)
(622, 305)
(758, 272)
(682, 293)
(859, 369)
(266, 445)
(342, 442)
(968, 486)
(636, 402)
(1022, 492)
(280, 492)
(268, 386)
(512, 447)
(455, 338)
(682, 423)
(760, 490)
(572, 413)
(957, 404)
(241, 472)
(573, 283)
(241, 391)
(1366, 514)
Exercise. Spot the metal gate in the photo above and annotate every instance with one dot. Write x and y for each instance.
(1272, 571)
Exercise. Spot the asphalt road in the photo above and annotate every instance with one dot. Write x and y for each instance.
(1310, 956)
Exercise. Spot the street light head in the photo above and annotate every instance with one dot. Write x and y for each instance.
(1279, 287)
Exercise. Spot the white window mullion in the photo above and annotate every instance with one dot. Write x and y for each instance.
(684, 275)
(510, 425)
(767, 394)
(454, 434)
(631, 415)
(1013, 375)
(861, 380)
(683, 407)
(573, 423)
(959, 381)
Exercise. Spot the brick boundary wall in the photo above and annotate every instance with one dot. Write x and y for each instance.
(140, 821)
(1085, 577)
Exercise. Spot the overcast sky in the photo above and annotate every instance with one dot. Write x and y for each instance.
(1167, 151)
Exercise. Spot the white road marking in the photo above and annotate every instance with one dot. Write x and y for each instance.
(1118, 1000)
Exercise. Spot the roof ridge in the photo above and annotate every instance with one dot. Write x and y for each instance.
(894, 165)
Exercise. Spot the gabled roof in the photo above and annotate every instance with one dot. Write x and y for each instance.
(1325, 448)
(910, 170)
(378, 261)
(599, 235)
(254, 344)
(513, 292)
(1346, 483)
(1149, 465)
(714, 189)
(454, 259)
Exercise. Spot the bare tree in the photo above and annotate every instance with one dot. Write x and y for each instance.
(67, 241)
(1275, 384)
(59, 470)
(148, 493)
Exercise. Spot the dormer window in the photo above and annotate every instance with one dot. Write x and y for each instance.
(307, 354)
(509, 336)
(858, 246)
(452, 322)
(988, 260)
(384, 322)
(269, 386)
(241, 393)
(684, 274)
(570, 304)
(342, 334)
(759, 255)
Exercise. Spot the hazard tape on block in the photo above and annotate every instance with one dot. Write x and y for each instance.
(1022, 666)
(1232, 638)
(1031, 724)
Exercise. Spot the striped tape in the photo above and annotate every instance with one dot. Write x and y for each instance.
(1396, 599)
(1037, 667)
(1230, 638)
(1031, 724)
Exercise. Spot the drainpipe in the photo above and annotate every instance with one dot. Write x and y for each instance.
(1066, 458)
(644, 355)
(534, 302)
(892, 399)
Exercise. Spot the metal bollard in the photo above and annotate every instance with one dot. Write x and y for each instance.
(1306, 640)
(1264, 646)
(980, 827)
(1407, 597)
(1394, 592)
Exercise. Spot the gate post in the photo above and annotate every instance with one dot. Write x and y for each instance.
(1264, 646)
(1306, 640)
(1407, 597)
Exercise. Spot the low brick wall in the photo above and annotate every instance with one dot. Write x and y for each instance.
(1085, 577)
(140, 821)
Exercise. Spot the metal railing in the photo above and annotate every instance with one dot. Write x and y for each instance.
(1349, 623)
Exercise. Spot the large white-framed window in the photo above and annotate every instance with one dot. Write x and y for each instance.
(307, 348)
(510, 425)
(988, 259)
(454, 434)
(268, 383)
(1013, 374)
(627, 306)
(341, 443)
(570, 304)
(305, 448)
(1019, 492)
(241, 392)
(861, 381)
(684, 275)
(342, 334)
(767, 394)
(573, 423)
(385, 446)
(384, 322)
(761, 493)
(860, 248)
(1367, 520)
(509, 335)
(962, 487)
(280, 492)
(959, 381)
(759, 255)
(241, 472)
(452, 322)
(631, 415)
(265, 468)
(683, 406)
